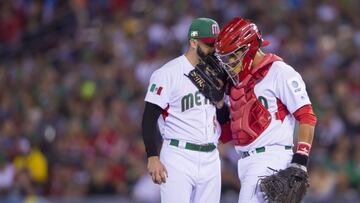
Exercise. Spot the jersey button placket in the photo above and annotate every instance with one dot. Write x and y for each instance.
(207, 125)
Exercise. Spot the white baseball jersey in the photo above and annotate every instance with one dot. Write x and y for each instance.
(187, 115)
(282, 83)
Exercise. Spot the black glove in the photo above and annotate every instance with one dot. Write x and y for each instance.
(210, 78)
(286, 186)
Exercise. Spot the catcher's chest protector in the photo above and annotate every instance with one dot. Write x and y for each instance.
(249, 118)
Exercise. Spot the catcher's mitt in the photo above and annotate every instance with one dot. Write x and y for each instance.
(285, 186)
(210, 78)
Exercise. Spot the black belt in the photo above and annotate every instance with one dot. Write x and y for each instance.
(259, 150)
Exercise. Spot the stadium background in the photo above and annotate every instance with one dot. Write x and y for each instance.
(73, 75)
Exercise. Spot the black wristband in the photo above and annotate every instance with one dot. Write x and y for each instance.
(300, 159)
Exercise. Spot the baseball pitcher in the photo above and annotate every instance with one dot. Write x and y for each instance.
(188, 167)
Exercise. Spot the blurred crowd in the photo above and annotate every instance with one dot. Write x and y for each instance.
(73, 76)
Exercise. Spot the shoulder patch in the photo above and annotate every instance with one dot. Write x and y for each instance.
(156, 89)
(296, 85)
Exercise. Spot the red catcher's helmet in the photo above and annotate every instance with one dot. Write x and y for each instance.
(238, 35)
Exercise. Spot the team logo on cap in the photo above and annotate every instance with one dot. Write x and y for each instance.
(194, 34)
(215, 29)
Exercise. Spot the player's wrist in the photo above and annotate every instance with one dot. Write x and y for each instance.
(151, 150)
(300, 159)
(301, 156)
(153, 159)
(220, 104)
(295, 165)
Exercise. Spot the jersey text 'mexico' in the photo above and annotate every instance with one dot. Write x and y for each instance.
(189, 115)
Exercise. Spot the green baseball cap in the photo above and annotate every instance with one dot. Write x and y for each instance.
(204, 29)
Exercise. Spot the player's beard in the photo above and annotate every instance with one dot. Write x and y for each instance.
(201, 54)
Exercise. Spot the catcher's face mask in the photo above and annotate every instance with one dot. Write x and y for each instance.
(236, 45)
(233, 62)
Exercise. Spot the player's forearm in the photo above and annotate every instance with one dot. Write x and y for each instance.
(223, 117)
(306, 133)
(149, 133)
(307, 120)
(223, 114)
(305, 138)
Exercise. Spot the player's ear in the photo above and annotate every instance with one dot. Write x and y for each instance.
(193, 43)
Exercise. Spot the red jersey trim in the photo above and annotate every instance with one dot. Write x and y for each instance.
(282, 110)
(225, 135)
(305, 115)
(165, 112)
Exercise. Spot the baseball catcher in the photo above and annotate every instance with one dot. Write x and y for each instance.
(209, 77)
(267, 98)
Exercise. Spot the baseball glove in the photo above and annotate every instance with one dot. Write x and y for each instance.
(285, 186)
(210, 78)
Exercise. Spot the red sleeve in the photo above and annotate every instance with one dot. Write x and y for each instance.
(225, 133)
(305, 115)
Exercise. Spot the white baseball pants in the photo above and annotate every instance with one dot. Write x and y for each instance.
(193, 176)
(256, 165)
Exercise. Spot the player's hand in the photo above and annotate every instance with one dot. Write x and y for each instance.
(219, 104)
(157, 170)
